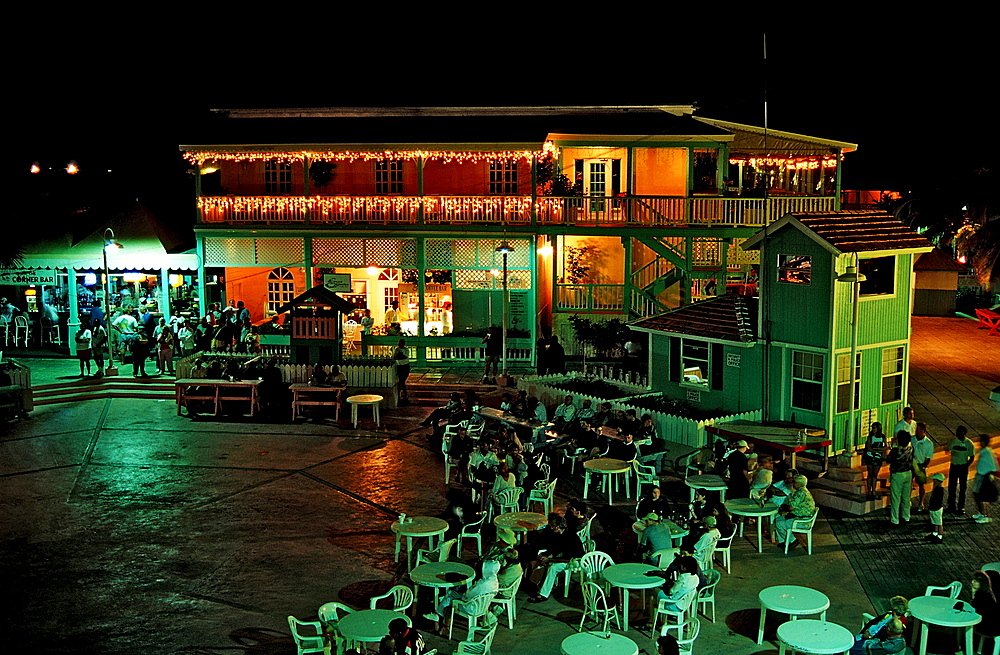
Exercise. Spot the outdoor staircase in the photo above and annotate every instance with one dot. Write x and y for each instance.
(121, 386)
(843, 487)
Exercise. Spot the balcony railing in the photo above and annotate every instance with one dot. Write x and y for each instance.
(590, 297)
(633, 211)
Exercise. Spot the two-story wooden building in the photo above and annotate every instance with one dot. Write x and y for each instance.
(611, 211)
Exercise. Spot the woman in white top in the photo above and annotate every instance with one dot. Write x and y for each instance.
(685, 584)
(984, 486)
(84, 339)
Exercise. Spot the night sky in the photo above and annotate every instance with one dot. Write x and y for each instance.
(918, 102)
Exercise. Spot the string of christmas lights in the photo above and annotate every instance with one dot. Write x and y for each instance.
(790, 163)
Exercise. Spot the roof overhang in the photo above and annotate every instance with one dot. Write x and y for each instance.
(725, 342)
(640, 138)
(780, 141)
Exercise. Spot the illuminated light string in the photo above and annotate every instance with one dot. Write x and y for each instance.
(790, 163)
(341, 204)
(201, 157)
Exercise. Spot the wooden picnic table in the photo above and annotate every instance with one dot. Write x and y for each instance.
(216, 391)
(787, 437)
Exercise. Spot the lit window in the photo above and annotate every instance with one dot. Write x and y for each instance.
(277, 177)
(389, 176)
(503, 177)
(796, 269)
(844, 382)
(694, 362)
(892, 374)
(280, 289)
(807, 381)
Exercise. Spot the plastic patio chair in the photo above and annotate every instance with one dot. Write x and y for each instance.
(644, 475)
(507, 599)
(662, 558)
(706, 595)
(724, 547)
(543, 493)
(683, 607)
(686, 634)
(951, 590)
(402, 599)
(304, 642)
(595, 603)
(471, 611)
(330, 615)
(802, 526)
(507, 500)
(480, 647)
(439, 554)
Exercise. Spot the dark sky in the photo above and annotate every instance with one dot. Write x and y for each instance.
(918, 103)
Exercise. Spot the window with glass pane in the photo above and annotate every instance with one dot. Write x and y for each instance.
(880, 276)
(280, 289)
(389, 176)
(277, 177)
(503, 177)
(694, 359)
(844, 382)
(706, 170)
(807, 381)
(892, 374)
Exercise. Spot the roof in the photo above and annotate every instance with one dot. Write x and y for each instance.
(320, 294)
(847, 231)
(938, 260)
(750, 138)
(730, 317)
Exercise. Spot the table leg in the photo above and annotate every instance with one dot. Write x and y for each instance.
(625, 600)
(781, 647)
(760, 630)
(399, 540)
(354, 415)
(378, 418)
(968, 641)
(923, 638)
(611, 486)
(180, 397)
(586, 483)
(760, 534)
(822, 616)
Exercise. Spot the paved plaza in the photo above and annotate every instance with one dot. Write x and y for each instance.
(126, 528)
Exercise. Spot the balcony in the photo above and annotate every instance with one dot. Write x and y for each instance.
(590, 297)
(633, 211)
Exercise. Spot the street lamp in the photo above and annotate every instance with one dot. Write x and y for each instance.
(852, 277)
(504, 249)
(110, 244)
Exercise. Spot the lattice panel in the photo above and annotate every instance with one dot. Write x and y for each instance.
(483, 279)
(387, 253)
(339, 252)
(706, 251)
(476, 253)
(220, 252)
(739, 257)
(279, 251)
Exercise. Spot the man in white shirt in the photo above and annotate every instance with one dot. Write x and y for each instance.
(906, 424)
(923, 451)
(565, 414)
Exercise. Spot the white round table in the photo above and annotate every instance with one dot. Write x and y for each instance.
(442, 575)
(631, 576)
(370, 399)
(520, 522)
(600, 643)
(608, 467)
(707, 482)
(749, 507)
(368, 625)
(791, 600)
(814, 637)
(940, 610)
(414, 528)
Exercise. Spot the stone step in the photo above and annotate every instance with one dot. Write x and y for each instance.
(70, 397)
(849, 503)
(59, 390)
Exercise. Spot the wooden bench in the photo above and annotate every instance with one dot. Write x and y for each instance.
(332, 397)
(990, 320)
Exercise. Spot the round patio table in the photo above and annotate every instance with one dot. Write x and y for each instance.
(792, 600)
(940, 611)
(708, 482)
(368, 625)
(814, 637)
(520, 522)
(414, 528)
(749, 507)
(607, 467)
(631, 576)
(441, 575)
(370, 399)
(601, 643)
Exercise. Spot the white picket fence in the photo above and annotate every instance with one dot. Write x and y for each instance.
(357, 376)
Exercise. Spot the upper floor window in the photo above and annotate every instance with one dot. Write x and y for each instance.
(389, 176)
(277, 177)
(503, 177)
(880, 276)
(807, 381)
(706, 170)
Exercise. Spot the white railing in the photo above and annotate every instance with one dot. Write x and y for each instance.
(596, 297)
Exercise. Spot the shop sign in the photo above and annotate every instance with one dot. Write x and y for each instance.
(27, 276)
(337, 282)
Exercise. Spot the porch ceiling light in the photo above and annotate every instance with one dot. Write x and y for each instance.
(504, 247)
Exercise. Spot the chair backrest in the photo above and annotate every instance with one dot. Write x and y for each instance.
(510, 591)
(444, 550)
(595, 601)
(689, 632)
(331, 613)
(725, 542)
(713, 577)
(476, 430)
(685, 603)
(594, 562)
(509, 496)
(589, 546)
(806, 524)
(20, 322)
(401, 595)
(481, 647)
(306, 642)
(951, 591)
(475, 606)
(663, 557)
(584, 532)
(545, 469)
(475, 526)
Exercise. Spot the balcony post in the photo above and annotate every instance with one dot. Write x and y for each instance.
(534, 190)
(305, 190)
(420, 205)
(421, 284)
(199, 212)
(307, 261)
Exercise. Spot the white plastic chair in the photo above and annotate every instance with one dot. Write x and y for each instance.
(330, 615)
(584, 532)
(20, 330)
(683, 607)
(724, 547)
(507, 598)
(476, 430)
(686, 634)
(471, 611)
(439, 554)
(644, 475)
(543, 493)
(706, 595)
(662, 558)
(473, 530)
(449, 461)
(507, 500)
(481, 647)
(951, 591)
(596, 603)
(572, 462)
(802, 526)
(307, 643)
(402, 599)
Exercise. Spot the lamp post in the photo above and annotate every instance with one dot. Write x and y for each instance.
(504, 249)
(110, 243)
(855, 279)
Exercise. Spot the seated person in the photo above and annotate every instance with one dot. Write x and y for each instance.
(506, 402)
(483, 462)
(899, 608)
(892, 642)
(705, 546)
(986, 603)
(631, 424)
(319, 376)
(565, 415)
(623, 448)
(798, 505)
(686, 582)
(604, 416)
(560, 546)
(763, 475)
(655, 536)
(401, 640)
(336, 378)
(445, 412)
(585, 411)
(484, 583)
(652, 501)
(785, 486)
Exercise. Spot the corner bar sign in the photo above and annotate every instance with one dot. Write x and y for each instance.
(27, 276)
(337, 282)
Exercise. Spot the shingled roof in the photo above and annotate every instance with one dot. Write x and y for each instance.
(730, 317)
(848, 231)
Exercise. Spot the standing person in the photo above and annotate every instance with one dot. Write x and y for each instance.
(900, 460)
(557, 356)
(447, 319)
(739, 466)
(923, 451)
(242, 313)
(98, 344)
(876, 446)
(401, 356)
(962, 451)
(936, 507)
(185, 337)
(367, 323)
(493, 350)
(84, 344)
(542, 355)
(906, 423)
(165, 342)
(139, 347)
(984, 486)
(392, 314)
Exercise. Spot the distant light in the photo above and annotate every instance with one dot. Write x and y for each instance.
(72, 167)
(545, 251)
(89, 279)
(495, 272)
(504, 247)
(36, 168)
(133, 276)
(372, 271)
(176, 280)
(961, 259)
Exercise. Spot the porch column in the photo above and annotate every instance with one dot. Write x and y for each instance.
(200, 249)
(73, 321)
(307, 258)
(421, 351)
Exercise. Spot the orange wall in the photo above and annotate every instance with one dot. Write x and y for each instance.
(249, 284)
(660, 171)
